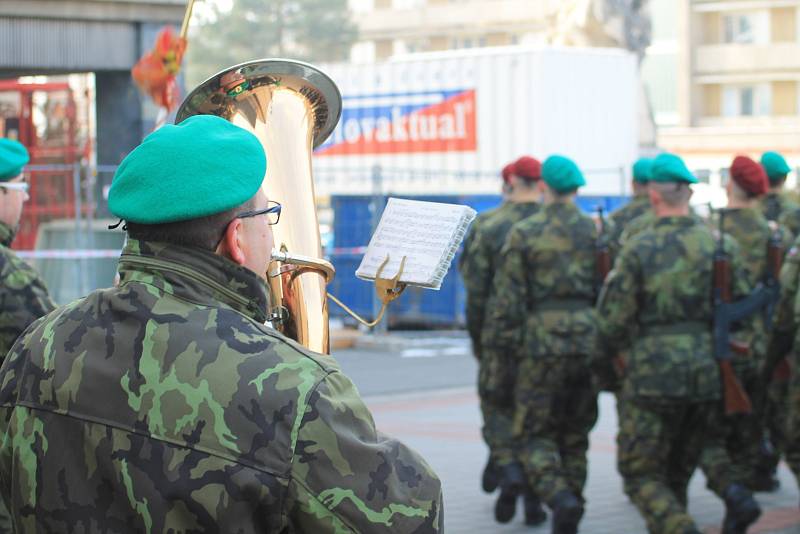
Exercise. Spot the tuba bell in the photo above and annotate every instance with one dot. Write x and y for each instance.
(292, 107)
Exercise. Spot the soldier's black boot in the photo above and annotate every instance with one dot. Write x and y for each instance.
(741, 510)
(764, 482)
(764, 476)
(567, 512)
(534, 513)
(512, 484)
(506, 506)
(491, 476)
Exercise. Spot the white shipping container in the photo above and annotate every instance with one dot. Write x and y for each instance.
(445, 123)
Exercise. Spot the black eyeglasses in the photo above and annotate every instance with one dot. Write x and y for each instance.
(273, 210)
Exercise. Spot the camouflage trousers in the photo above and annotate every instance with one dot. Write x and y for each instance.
(776, 419)
(556, 408)
(496, 374)
(792, 442)
(740, 434)
(658, 447)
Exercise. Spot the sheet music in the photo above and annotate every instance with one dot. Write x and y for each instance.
(426, 233)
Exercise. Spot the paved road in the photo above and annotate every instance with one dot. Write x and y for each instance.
(409, 362)
(420, 388)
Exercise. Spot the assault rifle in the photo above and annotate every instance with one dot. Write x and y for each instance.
(601, 250)
(726, 314)
(780, 370)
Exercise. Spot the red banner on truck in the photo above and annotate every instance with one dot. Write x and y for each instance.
(431, 121)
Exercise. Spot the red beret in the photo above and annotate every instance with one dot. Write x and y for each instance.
(508, 170)
(528, 168)
(749, 175)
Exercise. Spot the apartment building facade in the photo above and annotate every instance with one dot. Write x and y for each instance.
(738, 84)
(395, 27)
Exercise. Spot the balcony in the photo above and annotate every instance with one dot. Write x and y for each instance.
(725, 137)
(433, 19)
(725, 60)
(737, 5)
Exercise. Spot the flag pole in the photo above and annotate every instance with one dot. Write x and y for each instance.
(186, 18)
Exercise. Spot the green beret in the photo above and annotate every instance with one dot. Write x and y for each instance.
(202, 166)
(13, 157)
(643, 170)
(561, 174)
(775, 166)
(671, 168)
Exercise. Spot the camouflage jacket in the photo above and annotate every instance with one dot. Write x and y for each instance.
(165, 405)
(545, 286)
(639, 205)
(657, 306)
(23, 295)
(635, 227)
(785, 333)
(752, 233)
(483, 260)
(777, 206)
(481, 219)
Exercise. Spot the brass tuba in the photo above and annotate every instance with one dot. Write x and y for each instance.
(292, 108)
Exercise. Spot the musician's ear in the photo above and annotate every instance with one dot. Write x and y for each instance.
(655, 197)
(231, 245)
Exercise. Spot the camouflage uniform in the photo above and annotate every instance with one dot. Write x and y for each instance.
(478, 275)
(786, 334)
(543, 313)
(645, 221)
(23, 294)
(165, 405)
(660, 290)
(752, 233)
(777, 206)
(780, 208)
(637, 226)
(639, 205)
(474, 321)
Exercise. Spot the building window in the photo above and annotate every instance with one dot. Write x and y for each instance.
(466, 42)
(738, 28)
(747, 27)
(746, 97)
(747, 100)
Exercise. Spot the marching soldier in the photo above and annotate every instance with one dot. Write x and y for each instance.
(23, 294)
(661, 284)
(543, 314)
(784, 342)
(166, 404)
(639, 204)
(745, 223)
(474, 307)
(779, 208)
(479, 271)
